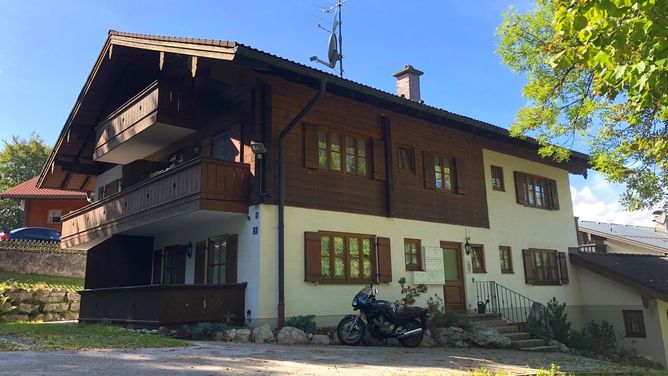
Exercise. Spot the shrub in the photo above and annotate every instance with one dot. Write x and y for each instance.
(599, 338)
(559, 323)
(410, 293)
(305, 323)
(208, 329)
(441, 319)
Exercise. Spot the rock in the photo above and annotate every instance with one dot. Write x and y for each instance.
(335, 339)
(452, 336)
(55, 307)
(263, 334)
(559, 345)
(26, 308)
(539, 317)
(291, 336)
(12, 318)
(19, 295)
(220, 337)
(73, 297)
(487, 337)
(309, 336)
(75, 306)
(239, 335)
(69, 315)
(56, 296)
(428, 341)
(320, 339)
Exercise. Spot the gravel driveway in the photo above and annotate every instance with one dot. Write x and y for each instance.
(209, 358)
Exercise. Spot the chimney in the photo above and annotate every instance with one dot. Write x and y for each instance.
(660, 223)
(408, 83)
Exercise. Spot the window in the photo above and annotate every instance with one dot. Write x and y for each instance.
(634, 324)
(477, 259)
(497, 179)
(406, 159)
(170, 266)
(340, 152)
(217, 260)
(545, 267)
(54, 216)
(506, 259)
(536, 191)
(444, 173)
(413, 254)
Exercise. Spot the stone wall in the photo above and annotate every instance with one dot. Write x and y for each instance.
(41, 258)
(40, 305)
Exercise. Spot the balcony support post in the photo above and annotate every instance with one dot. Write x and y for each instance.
(281, 197)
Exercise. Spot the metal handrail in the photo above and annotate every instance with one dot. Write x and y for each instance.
(512, 306)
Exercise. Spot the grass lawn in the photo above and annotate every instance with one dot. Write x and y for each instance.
(49, 337)
(30, 281)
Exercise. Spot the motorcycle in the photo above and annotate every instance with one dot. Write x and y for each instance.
(383, 321)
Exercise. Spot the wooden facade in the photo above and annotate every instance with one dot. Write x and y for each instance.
(36, 211)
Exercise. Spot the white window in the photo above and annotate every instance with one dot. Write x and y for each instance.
(54, 216)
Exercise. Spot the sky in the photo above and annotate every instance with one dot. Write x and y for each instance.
(47, 49)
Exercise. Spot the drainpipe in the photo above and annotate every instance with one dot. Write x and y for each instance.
(281, 198)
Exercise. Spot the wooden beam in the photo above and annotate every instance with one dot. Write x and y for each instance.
(193, 65)
(66, 181)
(162, 59)
(111, 50)
(79, 168)
(85, 183)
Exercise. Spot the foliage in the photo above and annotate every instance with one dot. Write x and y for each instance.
(83, 336)
(559, 323)
(305, 323)
(30, 282)
(439, 318)
(409, 293)
(554, 370)
(20, 159)
(208, 330)
(599, 338)
(596, 70)
(5, 302)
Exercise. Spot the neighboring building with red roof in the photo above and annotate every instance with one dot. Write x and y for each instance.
(43, 207)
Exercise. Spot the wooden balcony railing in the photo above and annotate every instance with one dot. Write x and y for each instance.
(163, 304)
(593, 248)
(200, 184)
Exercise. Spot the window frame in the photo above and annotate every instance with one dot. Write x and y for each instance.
(410, 151)
(481, 248)
(453, 173)
(552, 253)
(347, 279)
(527, 190)
(510, 269)
(502, 183)
(418, 254)
(343, 152)
(222, 267)
(169, 266)
(50, 216)
(628, 315)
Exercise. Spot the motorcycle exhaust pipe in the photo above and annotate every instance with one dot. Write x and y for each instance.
(411, 333)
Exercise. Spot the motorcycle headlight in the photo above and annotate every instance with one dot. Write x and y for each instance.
(354, 302)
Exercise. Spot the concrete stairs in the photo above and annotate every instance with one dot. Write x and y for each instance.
(520, 340)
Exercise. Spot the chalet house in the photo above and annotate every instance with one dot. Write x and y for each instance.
(623, 274)
(43, 207)
(231, 180)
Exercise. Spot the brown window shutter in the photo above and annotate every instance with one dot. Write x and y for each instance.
(428, 169)
(554, 196)
(378, 159)
(180, 257)
(231, 259)
(200, 262)
(310, 146)
(520, 188)
(563, 267)
(460, 171)
(384, 260)
(157, 266)
(529, 272)
(312, 263)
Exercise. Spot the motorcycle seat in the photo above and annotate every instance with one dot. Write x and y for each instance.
(408, 312)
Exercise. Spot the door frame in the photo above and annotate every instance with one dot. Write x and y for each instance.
(460, 268)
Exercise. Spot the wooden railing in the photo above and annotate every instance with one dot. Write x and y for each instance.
(154, 305)
(183, 187)
(593, 248)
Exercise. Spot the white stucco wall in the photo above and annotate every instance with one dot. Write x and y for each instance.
(616, 246)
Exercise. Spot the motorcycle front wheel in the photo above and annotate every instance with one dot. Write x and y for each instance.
(415, 339)
(351, 331)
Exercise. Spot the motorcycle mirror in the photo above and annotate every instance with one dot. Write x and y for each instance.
(375, 291)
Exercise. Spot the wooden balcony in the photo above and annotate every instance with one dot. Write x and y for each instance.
(200, 184)
(159, 115)
(156, 305)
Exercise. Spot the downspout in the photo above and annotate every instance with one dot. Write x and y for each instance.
(281, 198)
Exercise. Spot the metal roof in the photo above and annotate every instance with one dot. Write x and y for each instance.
(637, 235)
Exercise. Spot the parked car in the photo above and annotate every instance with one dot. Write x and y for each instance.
(32, 233)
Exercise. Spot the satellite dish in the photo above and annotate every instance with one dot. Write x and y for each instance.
(333, 50)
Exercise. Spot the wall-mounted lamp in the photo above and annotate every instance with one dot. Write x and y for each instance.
(189, 249)
(258, 149)
(467, 246)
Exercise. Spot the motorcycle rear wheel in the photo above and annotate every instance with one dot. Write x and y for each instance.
(351, 331)
(414, 340)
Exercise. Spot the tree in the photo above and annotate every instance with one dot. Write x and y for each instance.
(20, 160)
(596, 71)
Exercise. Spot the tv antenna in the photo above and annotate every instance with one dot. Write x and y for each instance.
(335, 47)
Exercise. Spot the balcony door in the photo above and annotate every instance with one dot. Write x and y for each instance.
(221, 263)
(454, 297)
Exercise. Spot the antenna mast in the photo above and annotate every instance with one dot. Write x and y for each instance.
(334, 51)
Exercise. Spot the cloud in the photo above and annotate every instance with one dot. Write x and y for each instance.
(601, 205)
